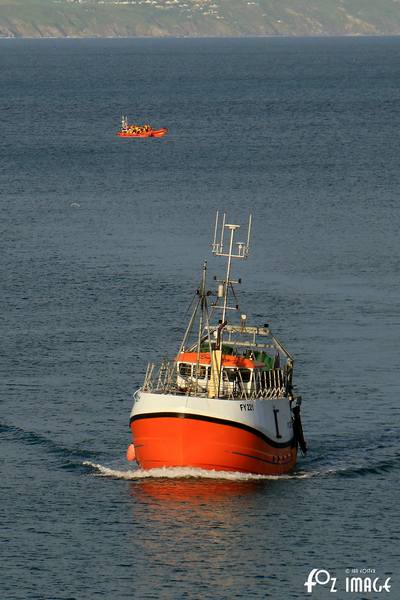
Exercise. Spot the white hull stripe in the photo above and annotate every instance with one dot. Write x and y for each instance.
(180, 415)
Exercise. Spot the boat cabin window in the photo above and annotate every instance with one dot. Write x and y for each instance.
(246, 375)
(185, 369)
(232, 375)
(189, 370)
(203, 371)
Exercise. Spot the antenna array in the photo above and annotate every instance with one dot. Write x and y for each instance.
(241, 248)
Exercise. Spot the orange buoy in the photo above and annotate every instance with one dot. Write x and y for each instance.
(130, 452)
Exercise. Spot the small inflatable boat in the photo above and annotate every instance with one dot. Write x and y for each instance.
(139, 131)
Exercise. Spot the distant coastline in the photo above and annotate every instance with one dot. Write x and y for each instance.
(203, 37)
(78, 19)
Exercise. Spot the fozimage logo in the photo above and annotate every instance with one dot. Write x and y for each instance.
(356, 580)
(320, 577)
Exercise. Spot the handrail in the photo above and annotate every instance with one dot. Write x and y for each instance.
(267, 384)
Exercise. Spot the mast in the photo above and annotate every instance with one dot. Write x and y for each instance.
(237, 250)
(202, 293)
(232, 228)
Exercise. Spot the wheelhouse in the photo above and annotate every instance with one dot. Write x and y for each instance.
(241, 374)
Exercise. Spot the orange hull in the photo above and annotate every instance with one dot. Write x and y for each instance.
(159, 132)
(182, 440)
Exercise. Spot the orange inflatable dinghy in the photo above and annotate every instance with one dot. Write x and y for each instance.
(139, 131)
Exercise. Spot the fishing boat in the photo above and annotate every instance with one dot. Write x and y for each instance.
(139, 131)
(226, 400)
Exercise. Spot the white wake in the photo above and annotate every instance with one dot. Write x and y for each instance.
(186, 473)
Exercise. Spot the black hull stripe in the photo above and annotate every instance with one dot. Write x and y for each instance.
(176, 415)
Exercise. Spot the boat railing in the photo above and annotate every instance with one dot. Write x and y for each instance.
(165, 379)
(263, 384)
(161, 379)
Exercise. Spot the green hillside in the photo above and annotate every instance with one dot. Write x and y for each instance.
(85, 18)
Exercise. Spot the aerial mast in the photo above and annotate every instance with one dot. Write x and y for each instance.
(236, 250)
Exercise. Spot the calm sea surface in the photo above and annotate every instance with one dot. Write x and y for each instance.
(102, 242)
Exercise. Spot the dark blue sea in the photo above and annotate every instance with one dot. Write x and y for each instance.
(102, 242)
